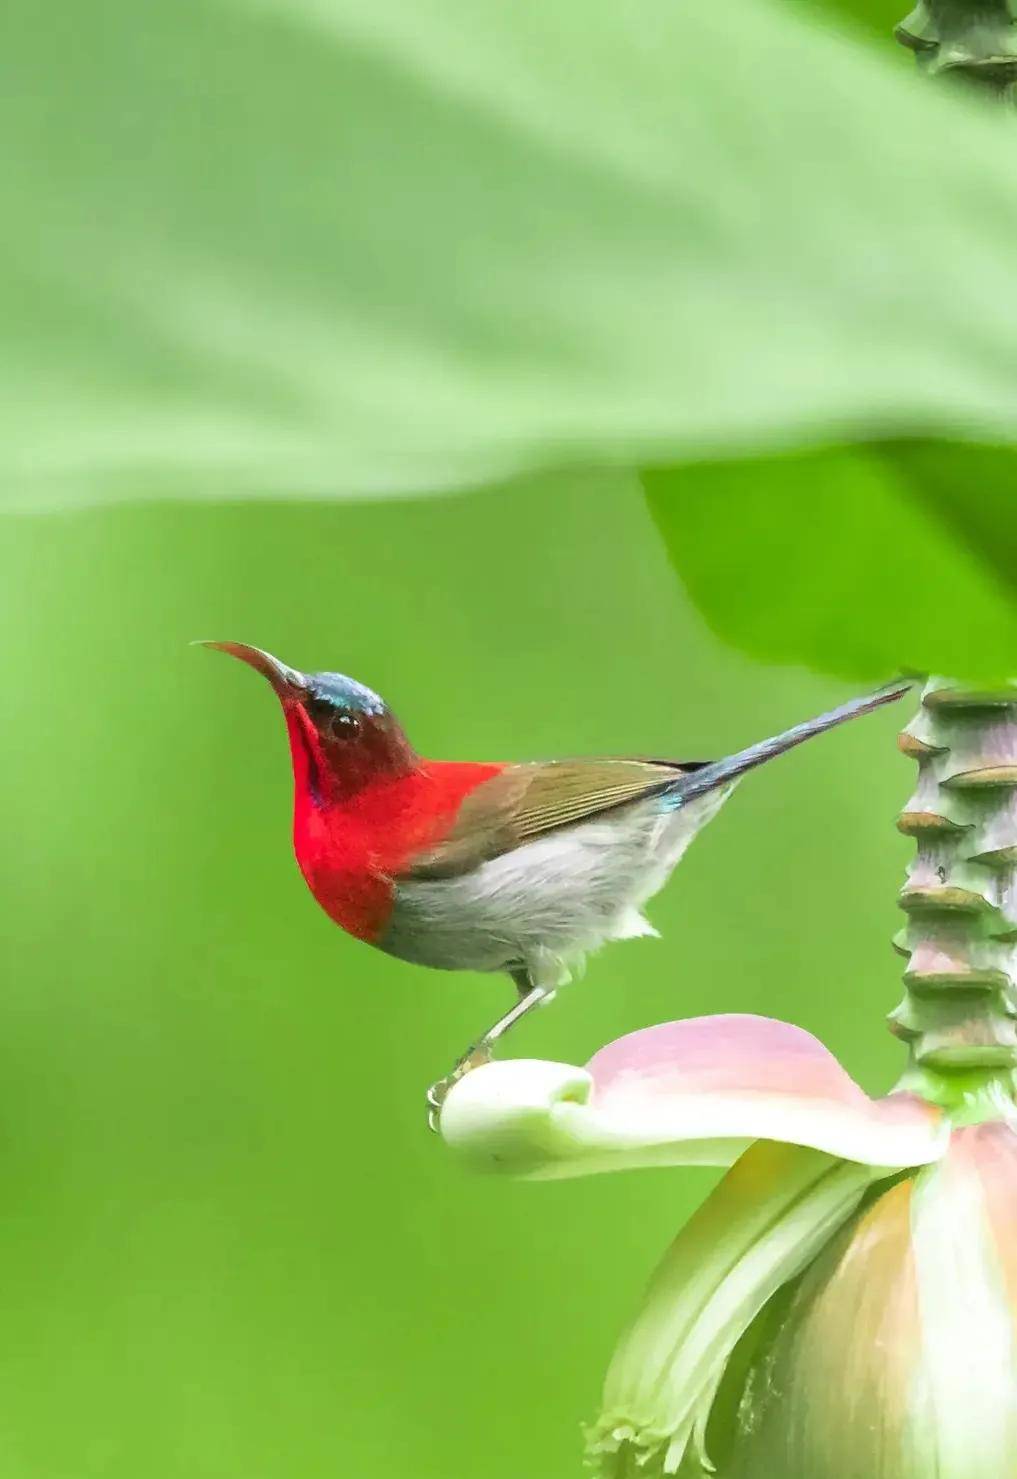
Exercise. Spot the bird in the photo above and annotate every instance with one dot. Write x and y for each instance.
(522, 867)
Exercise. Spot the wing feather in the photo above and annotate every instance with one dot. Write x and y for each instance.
(525, 802)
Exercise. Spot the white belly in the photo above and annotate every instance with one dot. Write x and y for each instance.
(543, 906)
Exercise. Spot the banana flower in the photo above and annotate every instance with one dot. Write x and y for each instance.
(842, 1306)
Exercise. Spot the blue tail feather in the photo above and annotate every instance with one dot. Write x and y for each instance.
(708, 777)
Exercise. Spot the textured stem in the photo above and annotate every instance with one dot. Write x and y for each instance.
(960, 1005)
(972, 39)
(959, 1013)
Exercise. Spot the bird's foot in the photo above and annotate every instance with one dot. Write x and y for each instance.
(478, 1055)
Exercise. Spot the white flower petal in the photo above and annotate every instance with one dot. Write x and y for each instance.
(691, 1092)
(764, 1222)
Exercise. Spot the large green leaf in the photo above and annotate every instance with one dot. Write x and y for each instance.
(329, 246)
(858, 561)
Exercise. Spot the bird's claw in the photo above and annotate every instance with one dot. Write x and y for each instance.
(478, 1055)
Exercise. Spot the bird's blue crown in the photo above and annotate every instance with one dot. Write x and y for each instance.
(345, 693)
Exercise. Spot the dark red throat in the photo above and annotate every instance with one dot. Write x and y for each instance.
(337, 755)
(365, 804)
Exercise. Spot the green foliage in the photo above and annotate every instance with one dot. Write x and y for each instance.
(355, 248)
(229, 1248)
(857, 560)
(321, 248)
(327, 247)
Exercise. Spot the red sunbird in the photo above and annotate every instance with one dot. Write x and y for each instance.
(522, 868)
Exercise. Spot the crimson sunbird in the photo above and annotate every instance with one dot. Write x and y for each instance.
(522, 868)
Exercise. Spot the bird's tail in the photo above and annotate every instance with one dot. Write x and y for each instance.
(719, 772)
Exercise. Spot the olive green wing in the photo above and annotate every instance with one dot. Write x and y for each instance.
(525, 802)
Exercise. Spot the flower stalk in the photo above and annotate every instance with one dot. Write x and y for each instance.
(845, 1301)
(959, 1012)
(974, 40)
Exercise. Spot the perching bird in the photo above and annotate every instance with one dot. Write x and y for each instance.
(521, 867)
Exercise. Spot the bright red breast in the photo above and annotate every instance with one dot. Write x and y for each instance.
(350, 851)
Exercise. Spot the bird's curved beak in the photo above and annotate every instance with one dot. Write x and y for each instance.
(288, 682)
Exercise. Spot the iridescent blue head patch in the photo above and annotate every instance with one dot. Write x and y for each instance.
(344, 693)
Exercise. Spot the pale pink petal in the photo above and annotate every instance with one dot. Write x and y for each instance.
(715, 1054)
(692, 1092)
(739, 1072)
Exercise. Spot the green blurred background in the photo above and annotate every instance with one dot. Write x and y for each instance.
(229, 1248)
(259, 247)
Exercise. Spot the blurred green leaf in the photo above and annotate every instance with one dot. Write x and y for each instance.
(858, 561)
(230, 1249)
(321, 246)
(876, 17)
(973, 490)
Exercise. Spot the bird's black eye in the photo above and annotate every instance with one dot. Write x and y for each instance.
(332, 721)
(344, 726)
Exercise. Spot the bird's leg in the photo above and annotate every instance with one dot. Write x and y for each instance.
(529, 996)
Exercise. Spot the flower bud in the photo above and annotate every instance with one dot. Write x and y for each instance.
(895, 1356)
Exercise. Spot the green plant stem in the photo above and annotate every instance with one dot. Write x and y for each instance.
(959, 1012)
(975, 40)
